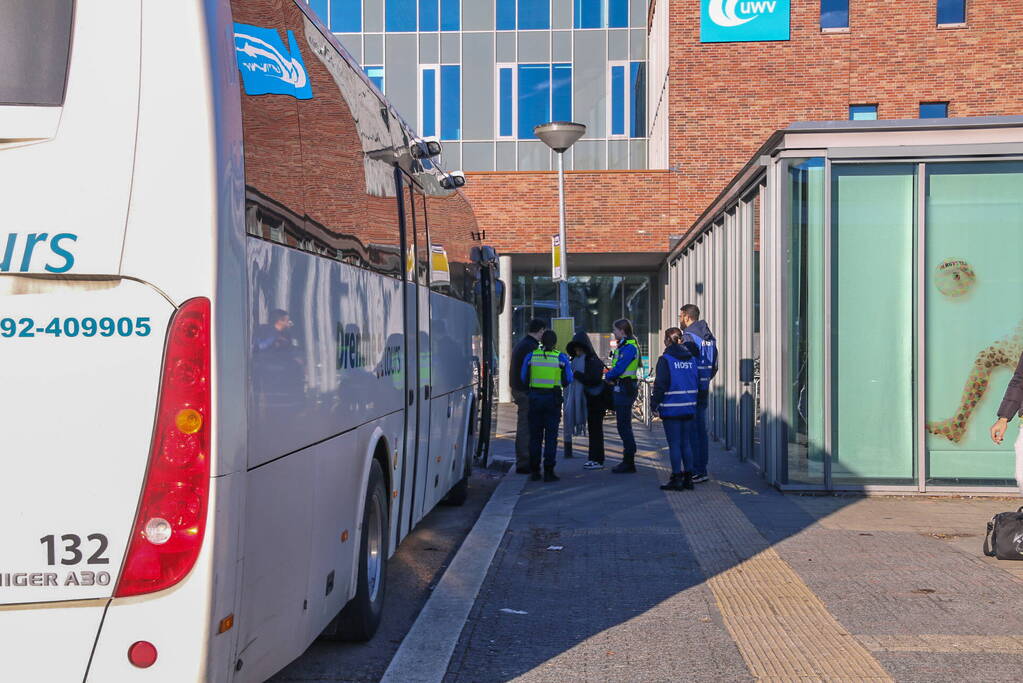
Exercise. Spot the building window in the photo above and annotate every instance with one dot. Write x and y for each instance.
(440, 108)
(401, 15)
(863, 112)
(451, 102)
(951, 11)
(537, 93)
(530, 14)
(428, 15)
(506, 100)
(534, 14)
(534, 98)
(626, 86)
(637, 94)
(429, 102)
(601, 14)
(450, 15)
(834, 14)
(561, 92)
(376, 74)
(320, 8)
(506, 15)
(934, 110)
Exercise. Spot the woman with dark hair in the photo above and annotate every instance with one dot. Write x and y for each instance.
(625, 364)
(676, 385)
(588, 372)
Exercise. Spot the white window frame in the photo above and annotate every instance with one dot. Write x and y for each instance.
(436, 98)
(627, 64)
(515, 100)
(383, 83)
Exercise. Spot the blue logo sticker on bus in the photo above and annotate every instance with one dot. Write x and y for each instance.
(269, 68)
(725, 21)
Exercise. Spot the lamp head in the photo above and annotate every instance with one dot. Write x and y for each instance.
(559, 135)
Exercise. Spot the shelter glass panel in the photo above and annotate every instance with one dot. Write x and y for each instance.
(803, 199)
(974, 317)
(873, 226)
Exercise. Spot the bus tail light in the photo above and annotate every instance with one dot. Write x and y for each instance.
(171, 518)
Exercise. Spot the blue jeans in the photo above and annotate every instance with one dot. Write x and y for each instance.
(544, 419)
(680, 447)
(698, 439)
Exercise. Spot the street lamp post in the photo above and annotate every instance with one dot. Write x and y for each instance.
(559, 136)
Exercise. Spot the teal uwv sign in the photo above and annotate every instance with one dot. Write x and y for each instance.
(727, 21)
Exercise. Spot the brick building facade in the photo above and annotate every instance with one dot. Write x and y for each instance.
(724, 99)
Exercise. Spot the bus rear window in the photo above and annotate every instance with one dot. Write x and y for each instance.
(35, 38)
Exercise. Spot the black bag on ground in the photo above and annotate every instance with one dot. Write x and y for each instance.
(1004, 538)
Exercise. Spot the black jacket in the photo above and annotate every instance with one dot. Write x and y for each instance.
(593, 374)
(525, 347)
(1012, 402)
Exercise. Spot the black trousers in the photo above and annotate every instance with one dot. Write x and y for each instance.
(595, 428)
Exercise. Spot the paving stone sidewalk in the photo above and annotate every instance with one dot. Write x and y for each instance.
(604, 577)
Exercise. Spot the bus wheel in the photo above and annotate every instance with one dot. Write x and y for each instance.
(361, 616)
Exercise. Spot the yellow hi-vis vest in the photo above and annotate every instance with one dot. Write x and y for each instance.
(633, 367)
(544, 370)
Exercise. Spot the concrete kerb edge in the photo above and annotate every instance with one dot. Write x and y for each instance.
(425, 652)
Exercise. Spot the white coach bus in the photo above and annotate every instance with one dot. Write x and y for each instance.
(246, 339)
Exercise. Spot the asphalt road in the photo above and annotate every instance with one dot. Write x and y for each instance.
(411, 574)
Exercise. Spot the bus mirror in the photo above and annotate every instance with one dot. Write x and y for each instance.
(453, 180)
(425, 148)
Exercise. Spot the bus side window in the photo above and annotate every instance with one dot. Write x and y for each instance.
(351, 200)
(273, 151)
(451, 228)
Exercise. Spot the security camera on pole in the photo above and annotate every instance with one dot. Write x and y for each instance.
(559, 136)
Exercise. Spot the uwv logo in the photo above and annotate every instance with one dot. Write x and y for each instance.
(726, 12)
(268, 68)
(723, 21)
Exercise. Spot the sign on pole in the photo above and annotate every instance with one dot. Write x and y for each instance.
(557, 254)
(564, 328)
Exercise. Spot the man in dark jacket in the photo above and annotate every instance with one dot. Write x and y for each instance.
(698, 332)
(520, 392)
(1012, 405)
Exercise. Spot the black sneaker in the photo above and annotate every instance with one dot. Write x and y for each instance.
(550, 476)
(675, 484)
(534, 476)
(624, 468)
(687, 481)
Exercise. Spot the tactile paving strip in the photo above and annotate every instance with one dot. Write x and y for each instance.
(780, 626)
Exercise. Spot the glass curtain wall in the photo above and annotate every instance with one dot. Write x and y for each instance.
(595, 301)
(803, 376)
(974, 322)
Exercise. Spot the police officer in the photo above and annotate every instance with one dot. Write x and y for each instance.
(624, 367)
(676, 385)
(698, 332)
(545, 371)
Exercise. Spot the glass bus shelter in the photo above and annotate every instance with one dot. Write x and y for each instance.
(865, 282)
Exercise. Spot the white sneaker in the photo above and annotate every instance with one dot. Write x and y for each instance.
(593, 465)
(700, 478)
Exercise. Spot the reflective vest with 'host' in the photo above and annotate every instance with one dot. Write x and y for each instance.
(680, 398)
(544, 370)
(633, 367)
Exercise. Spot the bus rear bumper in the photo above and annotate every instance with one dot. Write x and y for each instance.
(49, 642)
